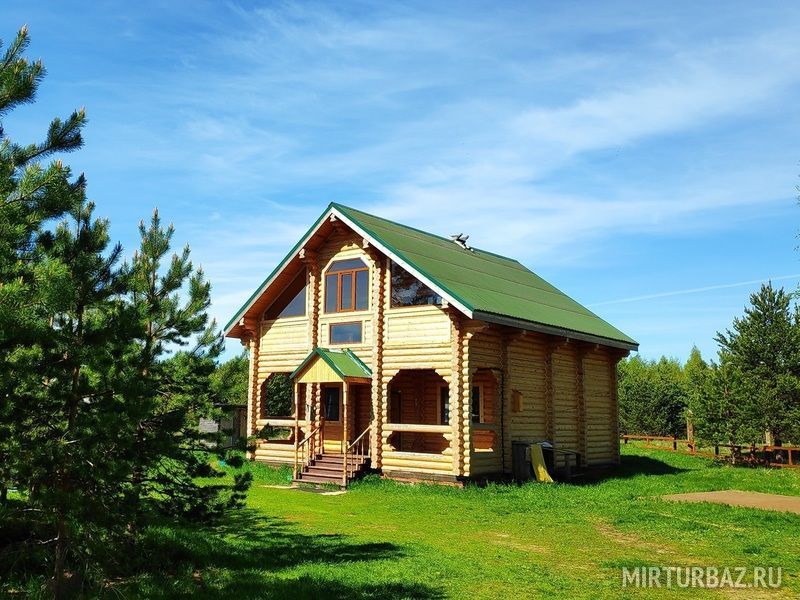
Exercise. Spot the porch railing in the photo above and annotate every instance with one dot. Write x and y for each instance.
(309, 448)
(355, 454)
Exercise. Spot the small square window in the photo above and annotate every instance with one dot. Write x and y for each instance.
(345, 333)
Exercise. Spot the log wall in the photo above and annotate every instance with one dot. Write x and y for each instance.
(535, 387)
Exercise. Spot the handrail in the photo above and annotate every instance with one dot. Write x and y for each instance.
(315, 433)
(356, 448)
(417, 428)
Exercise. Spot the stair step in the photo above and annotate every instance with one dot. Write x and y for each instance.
(338, 458)
(309, 478)
(324, 468)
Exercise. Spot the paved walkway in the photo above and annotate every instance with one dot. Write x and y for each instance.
(745, 499)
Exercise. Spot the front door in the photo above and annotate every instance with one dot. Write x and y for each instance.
(332, 410)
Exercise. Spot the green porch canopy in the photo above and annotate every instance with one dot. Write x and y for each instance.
(344, 364)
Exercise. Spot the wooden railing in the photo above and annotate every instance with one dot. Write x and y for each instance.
(309, 448)
(354, 455)
(772, 456)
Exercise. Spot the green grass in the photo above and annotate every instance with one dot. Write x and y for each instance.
(388, 540)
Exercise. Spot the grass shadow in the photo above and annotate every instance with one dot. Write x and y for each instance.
(251, 555)
(630, 466)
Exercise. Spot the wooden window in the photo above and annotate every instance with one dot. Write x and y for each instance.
(331, 403)
(347, 286)
(444, 405)
(407, 290)
(477, 404)
(345, 333)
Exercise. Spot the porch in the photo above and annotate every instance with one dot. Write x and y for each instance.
(413, 432)
(334, 445)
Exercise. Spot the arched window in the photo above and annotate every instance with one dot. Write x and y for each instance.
(347, 286)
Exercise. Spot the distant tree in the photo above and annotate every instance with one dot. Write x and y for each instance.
(277, 393)
(228, 382)
(762, 352)
(652, 396)
(723, 407)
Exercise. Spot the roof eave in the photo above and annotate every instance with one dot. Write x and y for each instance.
(551, 330)
(333, 210)
(233, 323)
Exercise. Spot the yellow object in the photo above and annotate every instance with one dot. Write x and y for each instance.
(539, 468)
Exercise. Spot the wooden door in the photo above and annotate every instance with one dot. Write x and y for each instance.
(332, 410)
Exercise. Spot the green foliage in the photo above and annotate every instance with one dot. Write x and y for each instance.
(277, 393)
(228, 383)
(104, 367)
(752, 391)
(762, 353)
(652, 396)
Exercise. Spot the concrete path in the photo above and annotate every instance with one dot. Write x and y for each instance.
(744, 499)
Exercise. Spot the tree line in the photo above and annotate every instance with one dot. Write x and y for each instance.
(104, 367)
(749, 395)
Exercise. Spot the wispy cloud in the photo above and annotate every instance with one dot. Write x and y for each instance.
(697, 290)
(549, 132)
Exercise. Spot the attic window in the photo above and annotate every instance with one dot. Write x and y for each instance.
(407, 290)
(346, 286)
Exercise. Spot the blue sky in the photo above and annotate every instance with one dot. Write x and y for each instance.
(641, 156)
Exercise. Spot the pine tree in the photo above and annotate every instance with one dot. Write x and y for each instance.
(31, 195)
(174, 393)
(66, 446)
(762, 351)
(97, 427)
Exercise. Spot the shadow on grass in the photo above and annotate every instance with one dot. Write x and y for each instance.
(630, 466)
(248, 557)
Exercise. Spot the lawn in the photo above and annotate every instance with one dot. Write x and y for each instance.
(388, 540)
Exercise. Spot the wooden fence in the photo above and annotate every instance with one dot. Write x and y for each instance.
(765, 455)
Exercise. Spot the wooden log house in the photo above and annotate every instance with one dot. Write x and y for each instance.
(422, 358)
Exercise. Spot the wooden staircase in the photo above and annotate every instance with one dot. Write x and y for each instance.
(329, 468)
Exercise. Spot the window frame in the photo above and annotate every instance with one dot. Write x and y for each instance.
(332, 325)
(390, 295)
(353, 286)
(481, 415)
(339, 406)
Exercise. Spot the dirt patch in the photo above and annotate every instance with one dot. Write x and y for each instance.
(630, 540)
(505, 539)
(744, 499)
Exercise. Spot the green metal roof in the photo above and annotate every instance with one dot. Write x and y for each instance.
(344, 362)
(485, 282)
(484, 285)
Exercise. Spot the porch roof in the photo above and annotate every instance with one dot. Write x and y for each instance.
(344, 364)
